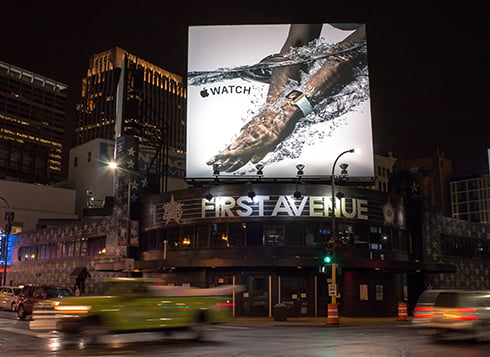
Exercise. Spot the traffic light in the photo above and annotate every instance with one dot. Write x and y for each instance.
(326, 262)
(327, 259)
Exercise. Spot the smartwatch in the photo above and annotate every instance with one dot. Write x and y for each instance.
(298, 99)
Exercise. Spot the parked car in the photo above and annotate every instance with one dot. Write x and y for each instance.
(32, 294)
(456, 314)
(9, 296)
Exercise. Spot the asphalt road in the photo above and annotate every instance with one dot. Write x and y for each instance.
(244, 337)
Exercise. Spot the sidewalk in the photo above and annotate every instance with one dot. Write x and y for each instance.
(316, 321)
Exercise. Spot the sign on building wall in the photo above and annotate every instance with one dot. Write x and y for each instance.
(255, 99)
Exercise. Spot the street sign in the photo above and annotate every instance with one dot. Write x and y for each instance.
(332, 289)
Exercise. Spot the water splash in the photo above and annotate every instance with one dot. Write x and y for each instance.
(328, 115)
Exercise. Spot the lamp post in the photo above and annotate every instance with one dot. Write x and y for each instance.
(334, 229)
(114, 166)
(9, 217)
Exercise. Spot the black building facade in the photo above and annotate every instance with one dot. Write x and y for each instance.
(273, 242)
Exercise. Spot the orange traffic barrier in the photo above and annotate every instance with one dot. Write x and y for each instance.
(402, 311)
(332, 315)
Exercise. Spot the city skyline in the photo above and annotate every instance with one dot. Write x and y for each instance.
(428, 64)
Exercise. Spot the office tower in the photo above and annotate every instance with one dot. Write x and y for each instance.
(32, 130)
(150, 105)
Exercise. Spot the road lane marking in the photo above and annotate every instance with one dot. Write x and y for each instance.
(28, 332)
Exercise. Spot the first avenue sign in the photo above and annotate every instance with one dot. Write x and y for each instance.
(262, 206)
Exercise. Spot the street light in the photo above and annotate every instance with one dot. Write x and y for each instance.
(334, 233)
(9, 217)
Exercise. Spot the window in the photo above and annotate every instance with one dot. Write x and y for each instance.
(255, 234)
(75, 161)
(294, 234)
(219, 237)
(236, 234)
(317, 234)
(89, 156)
(274, 234)
(187, 238)
(96, 246)
(202, 236)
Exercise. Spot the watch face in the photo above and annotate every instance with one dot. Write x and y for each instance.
(293, 95)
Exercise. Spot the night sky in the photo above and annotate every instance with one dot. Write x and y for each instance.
(429, 61)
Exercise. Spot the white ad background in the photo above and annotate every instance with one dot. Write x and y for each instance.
(214, 121)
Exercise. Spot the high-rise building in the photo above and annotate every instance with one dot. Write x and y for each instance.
(124, 95)
(32, 113)
(470, 198)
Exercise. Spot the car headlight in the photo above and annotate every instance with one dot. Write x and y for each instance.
(73, 309)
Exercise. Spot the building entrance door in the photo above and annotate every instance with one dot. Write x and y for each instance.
(256, 298)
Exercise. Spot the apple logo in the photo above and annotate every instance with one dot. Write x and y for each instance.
(204, 93)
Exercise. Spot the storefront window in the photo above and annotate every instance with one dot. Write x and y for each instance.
(317, 234)
(375, 238)
(187, 237)
(255, 234)
(96, 246)
(152, 240)
(294, 234)
(274, 234)
(202, 236)
(346, 234)
(361, 236)
(236, 234)
(173, 239)
(219, 237)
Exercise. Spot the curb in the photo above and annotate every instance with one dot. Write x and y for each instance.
(317, 321)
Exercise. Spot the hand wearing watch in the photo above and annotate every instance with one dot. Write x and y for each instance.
(298, 99)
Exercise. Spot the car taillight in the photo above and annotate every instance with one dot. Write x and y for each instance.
(423, 312)
(465, 314)
(225, 305)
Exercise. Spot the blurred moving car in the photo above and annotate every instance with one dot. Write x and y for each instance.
(139, 304)
(32, 294)
(9, 296)
(454, 314)
(424, 310)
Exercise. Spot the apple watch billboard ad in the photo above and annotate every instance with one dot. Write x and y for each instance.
(271, 97)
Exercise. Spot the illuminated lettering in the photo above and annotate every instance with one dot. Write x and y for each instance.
(297, 210)
(362, 209)
(259, 200)
(319, 206)
(343, 207)
(206, 206)
(282, 206)
(242, 203)
(224, 206)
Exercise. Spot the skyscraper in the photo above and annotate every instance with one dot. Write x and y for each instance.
(32, 113)
(149, 105)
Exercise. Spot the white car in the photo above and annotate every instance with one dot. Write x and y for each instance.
(9, 296)
(455, 314)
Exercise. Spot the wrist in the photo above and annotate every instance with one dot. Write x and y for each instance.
(298, 99)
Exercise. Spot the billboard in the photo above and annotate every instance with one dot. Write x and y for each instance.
(272, 97)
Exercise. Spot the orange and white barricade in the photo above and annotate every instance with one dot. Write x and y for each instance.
(332, 314)
(402, 311)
